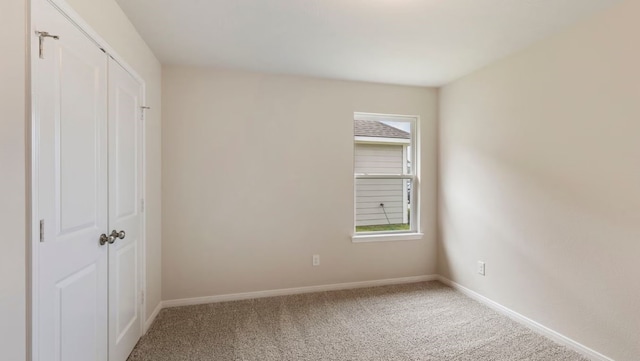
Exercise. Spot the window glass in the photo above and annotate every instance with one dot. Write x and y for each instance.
(384, 174)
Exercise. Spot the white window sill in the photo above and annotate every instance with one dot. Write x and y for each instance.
(394, 237)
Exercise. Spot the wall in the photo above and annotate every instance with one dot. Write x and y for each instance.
(12, 180)
(540, 179)
(108, 20)
(258, 176)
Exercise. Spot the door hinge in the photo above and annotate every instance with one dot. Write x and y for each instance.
(142, 297)
(142, 205)
(42, 230)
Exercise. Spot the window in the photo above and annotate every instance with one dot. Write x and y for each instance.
(385, 171)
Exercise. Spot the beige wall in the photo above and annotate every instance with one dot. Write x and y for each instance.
(258, 176)
(12, 180)
(108, 20)
(540, 178)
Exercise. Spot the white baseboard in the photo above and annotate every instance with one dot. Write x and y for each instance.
(149, 321)
(295, 291)
(555, 336)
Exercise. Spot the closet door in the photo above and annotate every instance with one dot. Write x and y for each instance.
(125, 165)
(70, 102)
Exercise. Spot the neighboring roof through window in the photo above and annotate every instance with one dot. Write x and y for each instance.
(372, 128)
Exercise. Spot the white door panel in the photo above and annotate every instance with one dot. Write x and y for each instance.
(79, 144)
(70, 100)
(125, 164)
(88, 167)
(74, 322)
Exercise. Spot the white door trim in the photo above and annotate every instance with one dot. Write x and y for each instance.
(32, 168)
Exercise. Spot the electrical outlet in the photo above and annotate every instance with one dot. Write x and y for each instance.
(481, 268)
(316, 260)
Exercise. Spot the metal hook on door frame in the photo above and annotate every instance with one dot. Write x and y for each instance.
(41, 36)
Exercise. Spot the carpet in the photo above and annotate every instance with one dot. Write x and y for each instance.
(414, 322)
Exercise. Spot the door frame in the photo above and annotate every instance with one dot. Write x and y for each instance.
(33, 230)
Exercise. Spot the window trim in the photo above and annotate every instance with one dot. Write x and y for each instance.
(414, 218)
(391, 237)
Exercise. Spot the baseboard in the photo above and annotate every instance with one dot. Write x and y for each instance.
(295, 291)
(154, 314)
(555, 336)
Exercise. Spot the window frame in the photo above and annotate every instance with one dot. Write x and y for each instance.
(413, 174)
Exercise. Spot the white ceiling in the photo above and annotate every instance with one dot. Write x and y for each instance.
(416, 42)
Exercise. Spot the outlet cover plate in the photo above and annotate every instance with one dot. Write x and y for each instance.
(481, 268)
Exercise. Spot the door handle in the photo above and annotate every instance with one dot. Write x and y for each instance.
(104, 239)
(115, 234)
(111, 239)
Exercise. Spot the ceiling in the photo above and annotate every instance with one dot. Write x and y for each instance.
(413, 42)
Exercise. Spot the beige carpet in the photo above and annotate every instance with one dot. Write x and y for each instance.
(422, 321)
